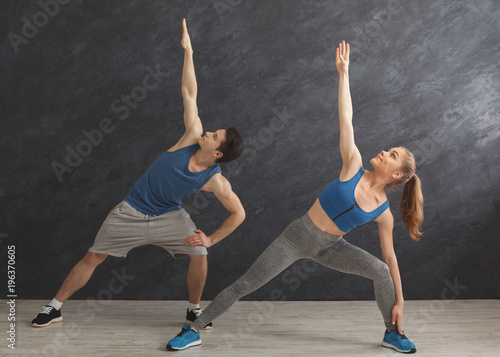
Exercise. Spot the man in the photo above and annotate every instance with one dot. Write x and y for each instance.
(152, 214)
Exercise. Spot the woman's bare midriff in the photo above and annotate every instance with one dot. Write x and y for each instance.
(319, 217)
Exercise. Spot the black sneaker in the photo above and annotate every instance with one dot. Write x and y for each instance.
(193, 314)
(48, 315)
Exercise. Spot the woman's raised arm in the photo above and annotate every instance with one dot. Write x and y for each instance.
(351, 158)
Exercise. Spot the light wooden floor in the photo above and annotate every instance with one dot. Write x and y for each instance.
(142, 328)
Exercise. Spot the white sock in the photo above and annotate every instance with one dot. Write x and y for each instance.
(193, 306)
(56, 304)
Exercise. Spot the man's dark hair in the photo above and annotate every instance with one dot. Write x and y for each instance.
(232, 147)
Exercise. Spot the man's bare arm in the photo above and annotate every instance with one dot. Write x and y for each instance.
(189, 86)
(221, 188)
(189, 89)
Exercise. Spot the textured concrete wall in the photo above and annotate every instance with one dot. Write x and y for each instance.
(424, 74)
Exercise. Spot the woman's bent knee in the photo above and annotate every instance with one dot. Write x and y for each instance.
(383, 271)
(244, 286)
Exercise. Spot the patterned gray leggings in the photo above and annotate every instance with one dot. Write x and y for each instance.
(302, 239)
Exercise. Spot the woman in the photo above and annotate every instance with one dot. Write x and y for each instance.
(354, 198)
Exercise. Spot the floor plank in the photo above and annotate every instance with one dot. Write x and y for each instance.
(458, 328)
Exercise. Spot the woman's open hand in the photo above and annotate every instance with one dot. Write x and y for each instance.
(342, 58)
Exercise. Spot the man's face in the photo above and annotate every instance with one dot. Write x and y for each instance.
(212, 140)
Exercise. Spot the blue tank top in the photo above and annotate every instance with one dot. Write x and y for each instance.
(167, 181)
(339, 203)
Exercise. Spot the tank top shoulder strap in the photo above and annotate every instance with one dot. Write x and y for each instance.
(215, 169)
(381, 209)
(186, 149)
(357, 176)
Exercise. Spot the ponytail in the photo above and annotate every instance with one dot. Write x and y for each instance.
(412, 207)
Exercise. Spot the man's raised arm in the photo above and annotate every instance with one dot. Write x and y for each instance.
(189, 88)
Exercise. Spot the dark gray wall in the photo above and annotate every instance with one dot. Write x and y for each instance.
(424, 74)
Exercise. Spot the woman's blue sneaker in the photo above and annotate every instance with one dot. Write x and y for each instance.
(398, 342)
(186, 338)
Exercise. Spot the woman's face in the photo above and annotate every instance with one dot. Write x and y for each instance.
(389, 162)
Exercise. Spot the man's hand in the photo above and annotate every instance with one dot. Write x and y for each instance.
(186, 41)
(397, 317)
(199, 239)
(342, 58)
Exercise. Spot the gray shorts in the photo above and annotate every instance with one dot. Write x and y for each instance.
(126, 228)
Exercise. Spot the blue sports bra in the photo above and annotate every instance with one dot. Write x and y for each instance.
(339, 203)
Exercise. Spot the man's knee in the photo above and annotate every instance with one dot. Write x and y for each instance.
(94, 258)
(198, 258)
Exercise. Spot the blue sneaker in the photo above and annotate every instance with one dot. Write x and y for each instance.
(399, 342)
(186, 338)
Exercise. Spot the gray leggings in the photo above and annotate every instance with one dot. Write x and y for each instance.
(302, 239)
